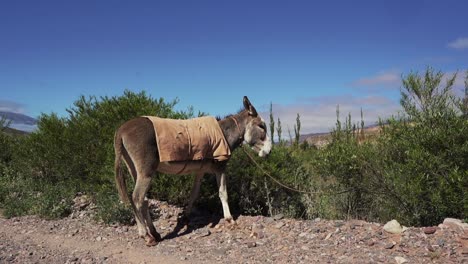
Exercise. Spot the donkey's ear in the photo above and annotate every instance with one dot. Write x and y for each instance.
(248, 106)
(246, 103)
(253, 111)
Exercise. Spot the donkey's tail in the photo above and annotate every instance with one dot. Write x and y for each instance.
(119, 177)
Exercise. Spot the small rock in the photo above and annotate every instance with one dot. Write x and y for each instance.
(279, 225)
(429, 230)
(393, 227)
(205, 233)
(328, 236)
(389, 245)
(257, 234)
(440, 242)
(305, 248)
(278, 217)
(339, 224)
(370, 243)
(219, 251)
(251, 244)
(430, 248)
(99, 238)
(400, 260)
(455, 224)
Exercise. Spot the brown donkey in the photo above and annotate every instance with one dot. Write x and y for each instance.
(135, 142)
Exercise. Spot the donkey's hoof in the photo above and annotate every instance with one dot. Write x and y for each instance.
(157, 237)
(184, 219)
(150, 241)
(231, 221)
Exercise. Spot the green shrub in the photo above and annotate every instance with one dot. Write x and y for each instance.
(77, 150)
(415, 170)
(110, 209)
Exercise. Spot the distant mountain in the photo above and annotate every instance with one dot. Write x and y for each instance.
(20, 121)
(322, 139)
(15, 132)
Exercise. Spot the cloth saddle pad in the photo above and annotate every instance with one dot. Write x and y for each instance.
(192, 139)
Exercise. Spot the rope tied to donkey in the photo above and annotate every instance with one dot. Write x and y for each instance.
(284, 185)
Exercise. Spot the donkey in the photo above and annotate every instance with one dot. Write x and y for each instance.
(135, 143)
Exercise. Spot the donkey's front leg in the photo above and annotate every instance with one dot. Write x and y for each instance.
(221, 178)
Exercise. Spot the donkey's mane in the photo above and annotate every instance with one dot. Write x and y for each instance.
(218, 118)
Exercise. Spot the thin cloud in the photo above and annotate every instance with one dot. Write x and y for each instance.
(459, 84)
(318, 114)
(459, 44)
(9, 106)
(388, 79)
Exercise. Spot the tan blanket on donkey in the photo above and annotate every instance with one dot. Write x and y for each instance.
(192, 139)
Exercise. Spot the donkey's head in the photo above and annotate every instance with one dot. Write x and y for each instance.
(256, 131)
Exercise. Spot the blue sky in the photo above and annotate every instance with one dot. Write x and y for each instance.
(305, 57)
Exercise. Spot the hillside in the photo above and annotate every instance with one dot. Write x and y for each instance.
(322, 139)
(19, 122)
(15, 132)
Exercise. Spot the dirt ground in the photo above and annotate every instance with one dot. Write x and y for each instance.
(207, 239)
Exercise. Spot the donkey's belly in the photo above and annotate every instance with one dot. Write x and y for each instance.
(185, 167)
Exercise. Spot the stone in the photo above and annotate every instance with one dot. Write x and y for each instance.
(278, 217)
(389, 245)
(440, 242)
(400, 260)
(251, 244)
(393, 227)
(339, 224)
(205, 233)
(279, 225)
(455, 224)
(429, 230)
(220, 251)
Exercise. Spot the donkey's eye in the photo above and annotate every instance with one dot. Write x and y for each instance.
(262, 126)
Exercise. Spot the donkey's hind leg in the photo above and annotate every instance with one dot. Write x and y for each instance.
(139, 193)
(131, 168)
(149, 221)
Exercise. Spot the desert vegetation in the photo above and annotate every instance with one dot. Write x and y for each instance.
(415, 170)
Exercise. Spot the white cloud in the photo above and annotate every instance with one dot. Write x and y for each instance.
(318, 114)
(24, 127)
(9, 106)
(459, 43)
(389, 79)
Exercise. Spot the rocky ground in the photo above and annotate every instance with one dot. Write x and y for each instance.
(207, 239)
